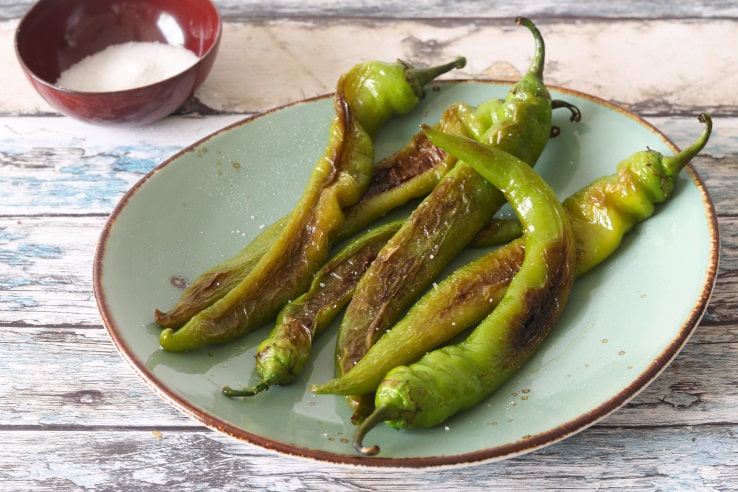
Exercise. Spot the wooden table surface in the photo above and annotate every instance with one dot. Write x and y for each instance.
(74, 416)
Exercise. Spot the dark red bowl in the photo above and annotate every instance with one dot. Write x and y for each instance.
(56, 34)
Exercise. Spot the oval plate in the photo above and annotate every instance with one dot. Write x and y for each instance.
(624, 321)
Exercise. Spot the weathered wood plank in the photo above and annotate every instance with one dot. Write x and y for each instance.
(294, 53)
(602, 459)
(720, 175)
(69, 167)
(46, 271)
(240, 9)
(42, 390)
(651, 67)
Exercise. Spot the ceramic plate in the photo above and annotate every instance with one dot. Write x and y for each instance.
(623, 324)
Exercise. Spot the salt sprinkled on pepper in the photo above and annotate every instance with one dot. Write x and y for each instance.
(126, 66)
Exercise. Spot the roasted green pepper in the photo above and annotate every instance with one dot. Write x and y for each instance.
(366, 97)
(460, 301)
(282, 355)
(600, 213)
(610, 207)
(447, 219)
(456, 377)
(411, 172)
(216, 282)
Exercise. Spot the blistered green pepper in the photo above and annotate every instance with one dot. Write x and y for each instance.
(366, 97)
(410, 173)
(611, 206)
(456, 377)
(282, 355)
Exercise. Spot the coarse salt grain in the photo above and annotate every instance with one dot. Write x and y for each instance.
(126, 66)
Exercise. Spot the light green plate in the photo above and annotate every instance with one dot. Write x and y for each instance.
(624, 322)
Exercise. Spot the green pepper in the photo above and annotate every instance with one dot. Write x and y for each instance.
(409, 173)
(604, 211)
(447, 219)
(217, 281)
(366, 97)
(456, 377)
(600, 213)
(498, 231)
(282, 355)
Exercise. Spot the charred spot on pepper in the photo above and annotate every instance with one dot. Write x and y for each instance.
(544, 303)
(492, 281)
(299, 329)
(414, 160)
(345, 122)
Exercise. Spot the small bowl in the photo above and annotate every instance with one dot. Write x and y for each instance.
(56, 34)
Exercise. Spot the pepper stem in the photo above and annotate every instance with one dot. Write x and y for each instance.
(419, 77)
(539, 55)
(673, 165)
(379, 414)
(253, 390)
(576, 114)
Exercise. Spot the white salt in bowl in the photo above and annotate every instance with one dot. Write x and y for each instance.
(55, 36)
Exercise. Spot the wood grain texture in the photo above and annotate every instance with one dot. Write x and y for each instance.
(65, 167)
(165, 459)
(445, 9)
(650, 67)
(73, 416)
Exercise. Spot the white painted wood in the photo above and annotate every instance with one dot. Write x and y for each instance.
(165, 459)
(445, 9)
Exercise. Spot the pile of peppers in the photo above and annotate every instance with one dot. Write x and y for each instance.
(394, 363)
